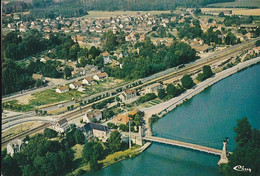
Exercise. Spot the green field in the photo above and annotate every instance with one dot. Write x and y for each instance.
(108, 14)
(238, 3)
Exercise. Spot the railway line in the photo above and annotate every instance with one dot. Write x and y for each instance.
(186, 70)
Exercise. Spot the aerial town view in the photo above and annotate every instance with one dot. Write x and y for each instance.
(130, 87)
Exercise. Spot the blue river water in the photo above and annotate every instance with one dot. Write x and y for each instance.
(206, 119)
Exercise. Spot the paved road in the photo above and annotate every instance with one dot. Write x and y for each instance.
(169, 105)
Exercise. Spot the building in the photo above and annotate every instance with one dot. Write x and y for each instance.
(121, 119)
(106, 58)
(100, 76)
(88, 80)
(14, 146)
(62, 89)
(129, 94)
(95, 130)
(75, 85)
(153, 88)
(91, 115)
(61, 126)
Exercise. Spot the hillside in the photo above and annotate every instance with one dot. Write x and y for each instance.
(134, 5)
(238, 3)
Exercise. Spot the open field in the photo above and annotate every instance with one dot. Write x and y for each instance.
(236, 11)
(108, 14)
(238, 3)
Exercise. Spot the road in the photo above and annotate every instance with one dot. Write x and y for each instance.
(50, 86)
(169, 105)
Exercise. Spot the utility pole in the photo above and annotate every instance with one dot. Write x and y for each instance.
(129, 133)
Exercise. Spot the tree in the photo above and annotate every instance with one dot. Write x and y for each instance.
(243, 131)
(230, 39)
(50, 133)
(92, 151)
(257, 43)
(79, 137)
(94, 165)
(67, 72)
(187, 81)
(221, 14)
(207, 71)
(172, 90)
(246, 152)
(161, 93)
(114, 141)
(10, 167)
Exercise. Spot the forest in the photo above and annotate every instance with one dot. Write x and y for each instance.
(152, 59)
(146, 5)
(247, 151)
(75, 8)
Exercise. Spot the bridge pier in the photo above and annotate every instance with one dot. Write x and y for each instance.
(223, 156)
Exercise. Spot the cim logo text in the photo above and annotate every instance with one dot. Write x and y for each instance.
(241, 168)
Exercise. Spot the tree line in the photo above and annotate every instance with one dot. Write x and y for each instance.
(152, 59)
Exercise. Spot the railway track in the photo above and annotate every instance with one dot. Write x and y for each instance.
(23, 134)
(185, 70)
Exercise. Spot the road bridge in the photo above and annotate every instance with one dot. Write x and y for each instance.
(222, 153)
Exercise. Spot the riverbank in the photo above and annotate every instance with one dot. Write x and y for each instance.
(164, 108)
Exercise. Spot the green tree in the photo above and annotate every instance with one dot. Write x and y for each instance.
(67, 72)
(10, 166)
(92, 151)
(79, 137)
(221, 14)
(230, 39)
(257, 43)
(161, 93)
(207, 71)
(114, 141)
(94, 165)
(50, 133)
(187, 81)
(110, 40)
(243, 131)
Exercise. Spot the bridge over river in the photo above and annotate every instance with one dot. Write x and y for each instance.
(222, 153)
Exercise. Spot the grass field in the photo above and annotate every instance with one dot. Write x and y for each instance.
(236, 11)
(238, 3)
(108, 14)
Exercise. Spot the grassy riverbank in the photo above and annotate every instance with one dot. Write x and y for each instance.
(109, 160)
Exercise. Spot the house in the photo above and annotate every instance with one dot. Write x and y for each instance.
(62, 89)
(89, 116)
(106, 57)
(121, 119)
(100, 76)
(202, 49)
(45, 59)
(88, 80)
(14, 146)
(61, 126)
(134, 112)
(129, 94)
(95, 130)
(153, 88)
(75, 85)
(142, 37)
(38, 76)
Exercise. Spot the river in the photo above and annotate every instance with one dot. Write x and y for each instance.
(206, 119)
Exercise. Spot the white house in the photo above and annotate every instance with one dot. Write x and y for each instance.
(89, 116)
(75, 85)
(129, 94)
(88, 80)
(95, 130)
(14, 146)
(100, 76)
(106, 57)
(61, 126)
(62, 89)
